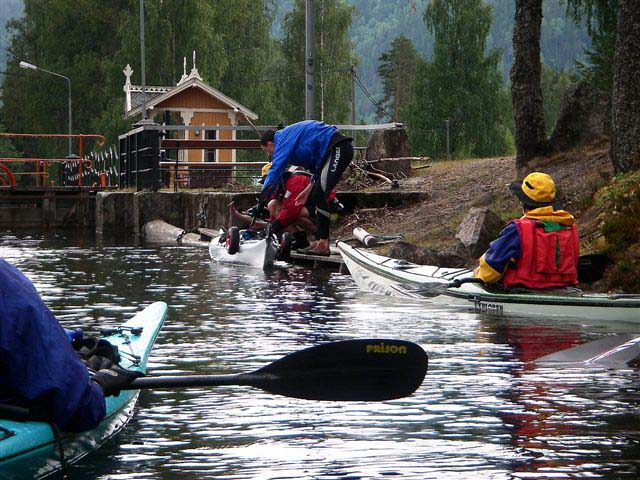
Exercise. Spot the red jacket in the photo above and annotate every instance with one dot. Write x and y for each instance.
(549, 256)
(294, 183)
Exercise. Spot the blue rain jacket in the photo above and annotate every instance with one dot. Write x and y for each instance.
(38, 367)
(303, 144)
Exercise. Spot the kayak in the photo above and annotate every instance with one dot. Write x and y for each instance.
(389, 276)
(33, 450)
(246, 247)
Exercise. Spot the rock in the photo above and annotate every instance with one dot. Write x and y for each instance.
(454, 257)
(583, 117)
(409, 252)
(389, 143)
(393, 166)
(478, 229)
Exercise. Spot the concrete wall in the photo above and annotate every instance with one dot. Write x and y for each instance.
(50, 208)
(125, 213)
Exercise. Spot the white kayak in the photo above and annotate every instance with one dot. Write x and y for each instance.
(388, 276)
(236, 246)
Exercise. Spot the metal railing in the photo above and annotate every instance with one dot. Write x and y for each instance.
(45, 168)
(209, 174)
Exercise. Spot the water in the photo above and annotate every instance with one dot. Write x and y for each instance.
(482, 412)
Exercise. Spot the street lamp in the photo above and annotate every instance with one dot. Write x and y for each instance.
(33, 67)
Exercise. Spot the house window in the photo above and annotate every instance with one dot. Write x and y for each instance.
(210, 155)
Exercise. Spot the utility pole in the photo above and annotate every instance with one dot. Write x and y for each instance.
(309, 54)
(353, 101)
(144, 119)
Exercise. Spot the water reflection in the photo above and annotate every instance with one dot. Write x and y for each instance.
(484, 410)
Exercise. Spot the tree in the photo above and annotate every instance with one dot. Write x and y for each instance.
(601, 17)
(461, 84)
(333, 57)
(396, 70)
(526, 96)
(625, 144)
(91, 41)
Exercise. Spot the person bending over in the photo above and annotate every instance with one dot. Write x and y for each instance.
(322, 150)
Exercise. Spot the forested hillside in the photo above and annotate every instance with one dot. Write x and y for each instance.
(8, 9)
(377, 22)
(253, 50)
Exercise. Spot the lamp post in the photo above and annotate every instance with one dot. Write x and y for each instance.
(33, 67)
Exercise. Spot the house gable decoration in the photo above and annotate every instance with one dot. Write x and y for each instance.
(156, 95)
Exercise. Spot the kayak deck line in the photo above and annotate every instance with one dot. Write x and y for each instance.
(388, 276)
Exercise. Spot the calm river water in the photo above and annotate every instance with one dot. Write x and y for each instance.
(483, 411)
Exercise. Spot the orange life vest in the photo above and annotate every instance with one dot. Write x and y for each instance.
(547, 258)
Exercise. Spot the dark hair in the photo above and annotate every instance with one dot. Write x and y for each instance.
(267, 136)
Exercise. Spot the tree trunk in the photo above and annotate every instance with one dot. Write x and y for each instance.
(625, 142)
(526, 96)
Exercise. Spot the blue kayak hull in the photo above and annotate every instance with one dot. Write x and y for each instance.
(32, 449)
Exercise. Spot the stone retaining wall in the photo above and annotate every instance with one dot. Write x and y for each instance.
(125, 213)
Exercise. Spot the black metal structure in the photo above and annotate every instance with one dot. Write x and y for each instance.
(140, 158)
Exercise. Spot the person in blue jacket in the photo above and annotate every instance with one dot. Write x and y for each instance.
(39, 369)
(322, 150)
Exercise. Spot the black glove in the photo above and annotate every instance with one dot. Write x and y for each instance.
(114, 379)
(276, 227)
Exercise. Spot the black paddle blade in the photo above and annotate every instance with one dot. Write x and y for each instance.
(367, 370)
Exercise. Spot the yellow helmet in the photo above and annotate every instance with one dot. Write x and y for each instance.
(266, 168)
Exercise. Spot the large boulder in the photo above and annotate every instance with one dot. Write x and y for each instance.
(478, 229)
(453, 257)
(583, 117)
(389, 143)
(407, 251)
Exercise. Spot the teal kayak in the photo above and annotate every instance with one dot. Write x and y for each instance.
(33, 450)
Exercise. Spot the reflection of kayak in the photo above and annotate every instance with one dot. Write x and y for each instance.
(388, 276)
(244, 247)
(31, 449)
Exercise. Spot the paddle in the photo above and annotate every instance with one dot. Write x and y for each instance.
(591, 268)
(435, 288)
(367, 370)
(610, 351)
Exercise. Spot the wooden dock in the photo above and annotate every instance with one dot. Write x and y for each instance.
(334, 261)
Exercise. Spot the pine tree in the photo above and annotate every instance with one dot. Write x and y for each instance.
(601, 17)
(395, 70)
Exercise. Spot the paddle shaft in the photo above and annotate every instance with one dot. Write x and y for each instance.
(590, 269)
(183, 381)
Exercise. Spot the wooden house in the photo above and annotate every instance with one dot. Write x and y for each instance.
(190, 102)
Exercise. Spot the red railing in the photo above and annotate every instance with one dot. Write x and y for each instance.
(40, 164)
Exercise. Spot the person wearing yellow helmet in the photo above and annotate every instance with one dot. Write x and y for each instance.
(539, 250)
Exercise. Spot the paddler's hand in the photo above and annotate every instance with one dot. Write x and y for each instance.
(303, 196)
(114, 379)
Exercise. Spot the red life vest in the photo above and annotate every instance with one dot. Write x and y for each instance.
(547, 258)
